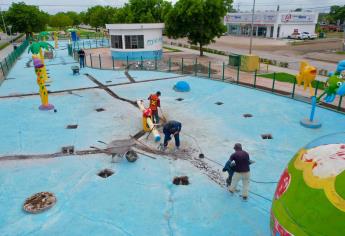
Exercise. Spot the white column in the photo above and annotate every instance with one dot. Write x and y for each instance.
(268, 31)
(275, 30)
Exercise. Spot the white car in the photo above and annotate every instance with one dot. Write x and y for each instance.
(303, 35)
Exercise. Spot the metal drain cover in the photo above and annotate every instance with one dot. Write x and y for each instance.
(181, 180)
(266, 136)
(219, 103)
(105, 173)
(72, 126)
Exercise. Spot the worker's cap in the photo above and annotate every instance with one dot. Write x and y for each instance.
(238, 146)
(158, 93)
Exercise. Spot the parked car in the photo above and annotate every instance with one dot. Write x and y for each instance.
(303, 35)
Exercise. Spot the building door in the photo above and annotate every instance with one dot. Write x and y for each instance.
(271, 33)
(278, 31)
(262, 31)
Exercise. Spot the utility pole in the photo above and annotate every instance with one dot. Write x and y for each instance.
(251, 32)
(3, 21)
(238, 7)
(10, 27)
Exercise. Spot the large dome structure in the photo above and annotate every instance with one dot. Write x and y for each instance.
(310, 196)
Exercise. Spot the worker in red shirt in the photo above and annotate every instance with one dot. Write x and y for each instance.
(154, 104)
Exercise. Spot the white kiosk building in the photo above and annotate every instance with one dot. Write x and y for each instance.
(271, 24)
(136, 41)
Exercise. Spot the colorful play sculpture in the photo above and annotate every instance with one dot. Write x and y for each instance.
(41, 73)
(43, 35)
(310, 195)
(148, 125)
(335, 86)
(306, 75)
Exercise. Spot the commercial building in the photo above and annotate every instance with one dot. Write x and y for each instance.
(136, 41)
(271, 24)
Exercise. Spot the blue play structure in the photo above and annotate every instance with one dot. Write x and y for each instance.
(182, 86)
(311, 122)
(341, 66)
(74, 36)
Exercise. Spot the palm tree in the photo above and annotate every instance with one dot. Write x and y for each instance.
(36, 48)
(43, 35)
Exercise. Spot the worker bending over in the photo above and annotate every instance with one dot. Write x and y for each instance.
(172, 128)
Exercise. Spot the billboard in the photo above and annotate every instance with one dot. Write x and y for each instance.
(298, 18)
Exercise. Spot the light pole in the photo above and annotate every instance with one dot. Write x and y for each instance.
(10, 27)
(3, 21)
(251, 32)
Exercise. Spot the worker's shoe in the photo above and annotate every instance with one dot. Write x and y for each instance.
(161, 147)
(245, 198)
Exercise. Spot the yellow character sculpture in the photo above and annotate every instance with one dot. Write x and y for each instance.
(307, 75)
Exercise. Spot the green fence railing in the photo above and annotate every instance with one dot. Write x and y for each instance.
(7, 63)
(215, 70)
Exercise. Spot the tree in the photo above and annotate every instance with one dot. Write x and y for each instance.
(198, 20)
(149, 11)
(60, 20)
(98, 16)
(336, 14)
(75, 17)
(25, 18)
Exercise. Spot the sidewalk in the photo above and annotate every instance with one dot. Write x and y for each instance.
(292, 60)
(7, 50)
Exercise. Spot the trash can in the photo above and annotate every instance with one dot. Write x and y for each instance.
(15, 46)
(234, 60)
(322, 35)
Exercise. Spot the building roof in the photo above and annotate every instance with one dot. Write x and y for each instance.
(134, 26)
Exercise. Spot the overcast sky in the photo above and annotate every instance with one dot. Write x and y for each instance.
(244, 5)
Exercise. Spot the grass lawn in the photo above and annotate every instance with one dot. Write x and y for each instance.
(288, 78)
(339, 35)
(341, 53)
(171, 49)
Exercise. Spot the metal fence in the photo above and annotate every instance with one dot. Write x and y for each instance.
(214, 70)
(7, 63)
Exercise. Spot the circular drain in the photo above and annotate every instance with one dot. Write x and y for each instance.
(219, 103)
(181, 180)
(39, 202)
(131, 156)
(201, 155)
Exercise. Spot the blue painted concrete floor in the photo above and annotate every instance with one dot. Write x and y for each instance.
(140, 198)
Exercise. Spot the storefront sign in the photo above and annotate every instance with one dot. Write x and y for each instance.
(287, 18)
(247, 18)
